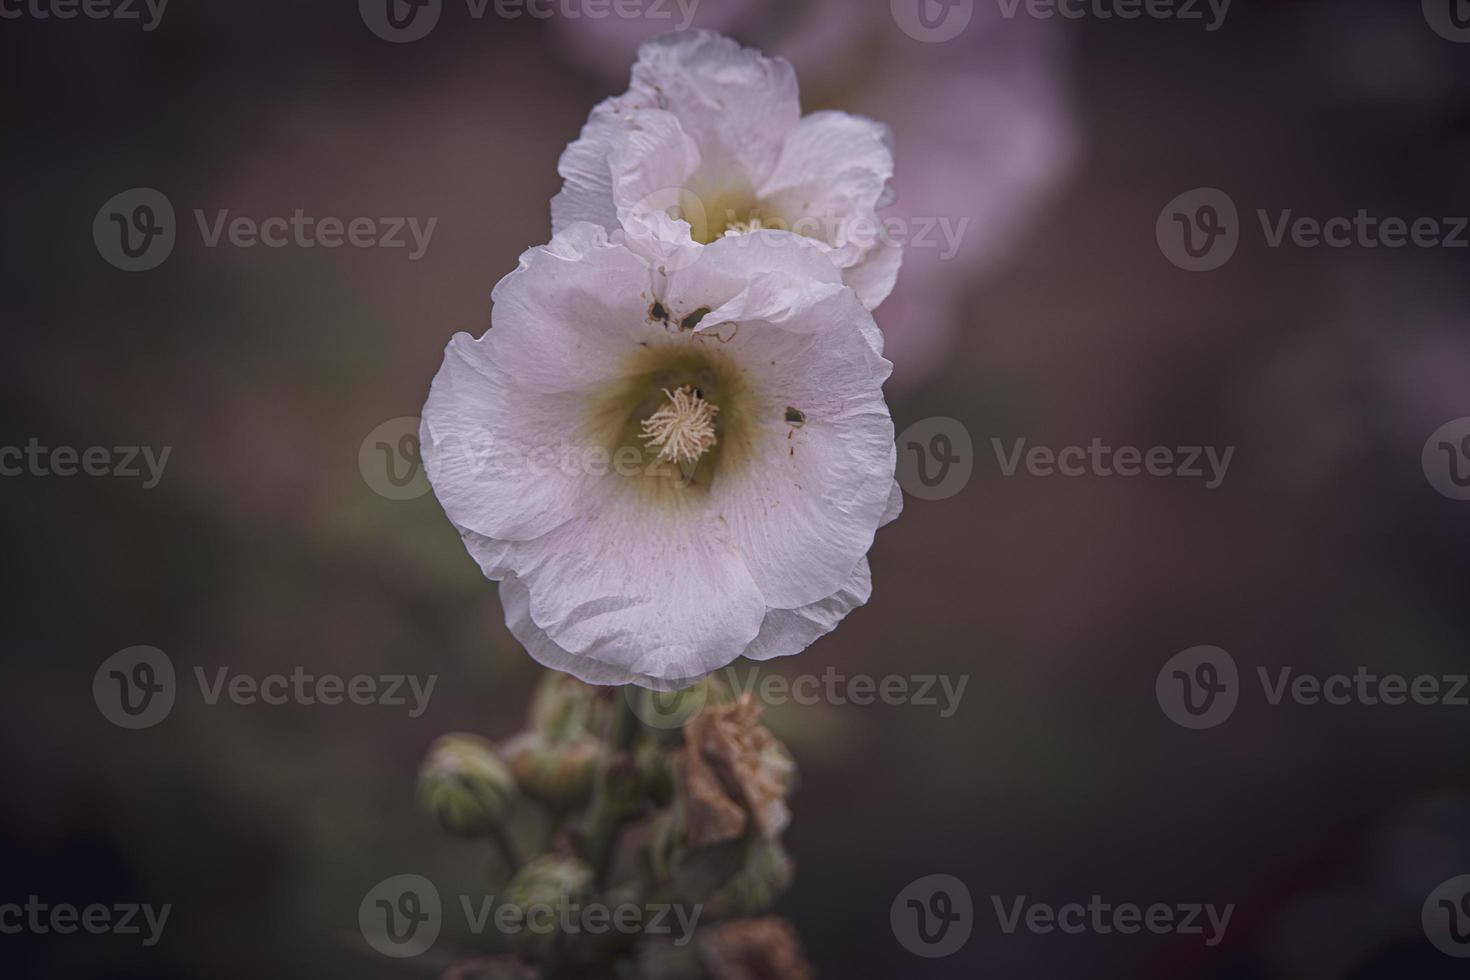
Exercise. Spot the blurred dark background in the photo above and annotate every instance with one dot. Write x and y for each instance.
(264, 548)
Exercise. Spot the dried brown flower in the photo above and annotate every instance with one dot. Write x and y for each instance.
(755, 949)
(733, 771)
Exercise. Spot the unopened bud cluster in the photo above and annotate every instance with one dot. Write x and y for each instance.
(588, 806)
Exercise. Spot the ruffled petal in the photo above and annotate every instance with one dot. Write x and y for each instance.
(831, 178)
(505, 437)
(631, 586)
(874, 277)
(775, 277)
(652, 162)
(570, 313)
(586, 190)
(515, 599)
(789, 631)
(737, 104)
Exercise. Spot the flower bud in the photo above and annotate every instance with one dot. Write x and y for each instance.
(466, 785)
(559, 774)
(564, 708)
(545, 893)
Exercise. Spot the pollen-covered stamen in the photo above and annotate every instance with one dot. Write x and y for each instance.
(684, 429)
(750, 225)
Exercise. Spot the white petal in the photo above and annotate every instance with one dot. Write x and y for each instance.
(874, 277)
(831, 179)
(736, 103)
(503, 435)
(790, 631)
(633, 586)
(895, 505)
(773, 276)
(811, 493)
(570, 313)
(516, 601)
(586, 193)
(481, 442)
(652, 161)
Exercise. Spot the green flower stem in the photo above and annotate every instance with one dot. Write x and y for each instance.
(625, 722)
(607, 815)
(507, 848)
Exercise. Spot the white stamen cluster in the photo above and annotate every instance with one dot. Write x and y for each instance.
(684, 429)
(744, 227)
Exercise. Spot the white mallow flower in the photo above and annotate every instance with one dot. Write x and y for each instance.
(709, 142)
(667, 470)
